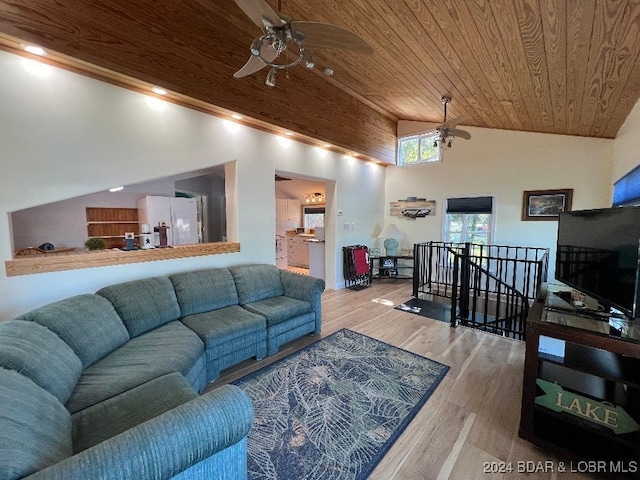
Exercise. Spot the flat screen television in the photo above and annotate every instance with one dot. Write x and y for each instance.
(597, 254)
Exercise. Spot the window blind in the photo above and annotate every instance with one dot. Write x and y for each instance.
(470, 205)
(627, 189)
(313, 210)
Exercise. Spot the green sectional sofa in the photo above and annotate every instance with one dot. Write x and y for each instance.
(109, 385)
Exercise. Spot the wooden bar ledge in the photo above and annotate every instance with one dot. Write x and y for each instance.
(32, 264)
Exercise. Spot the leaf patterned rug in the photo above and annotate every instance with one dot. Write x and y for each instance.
(332, 410)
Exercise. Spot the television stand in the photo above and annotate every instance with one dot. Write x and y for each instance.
(581, 397)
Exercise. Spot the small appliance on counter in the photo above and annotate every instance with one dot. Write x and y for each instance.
(146, 237)
(160, 238)
(129, 241)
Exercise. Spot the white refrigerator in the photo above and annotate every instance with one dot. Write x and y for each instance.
(179, 214)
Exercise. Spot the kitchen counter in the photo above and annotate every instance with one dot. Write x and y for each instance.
(316, 258)
(304, 235)
(30, 264)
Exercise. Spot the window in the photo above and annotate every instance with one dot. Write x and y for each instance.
(469, 220)
(313, 217)
(626, 191)
(418, 149)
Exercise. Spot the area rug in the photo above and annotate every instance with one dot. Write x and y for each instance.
(427, 308)
(332, 410)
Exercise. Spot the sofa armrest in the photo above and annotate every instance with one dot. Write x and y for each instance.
(166, 445)
(304, 287)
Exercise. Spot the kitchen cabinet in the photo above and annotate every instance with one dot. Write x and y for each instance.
(316, 258)
(288, 210)
(297, 251)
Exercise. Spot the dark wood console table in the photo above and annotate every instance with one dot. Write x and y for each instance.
(586, 380)
(391, 267)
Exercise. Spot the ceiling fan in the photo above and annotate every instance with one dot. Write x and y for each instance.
(282, 34)
(447, 130)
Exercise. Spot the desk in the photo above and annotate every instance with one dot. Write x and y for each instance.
(397, 267)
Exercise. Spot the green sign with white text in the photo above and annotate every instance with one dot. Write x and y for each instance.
(600, 413)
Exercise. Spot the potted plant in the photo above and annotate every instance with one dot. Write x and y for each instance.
(95, 244)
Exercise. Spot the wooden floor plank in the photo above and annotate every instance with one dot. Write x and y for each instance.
(472, 418)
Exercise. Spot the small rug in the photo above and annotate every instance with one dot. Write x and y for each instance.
(427, 308)
(332, 410)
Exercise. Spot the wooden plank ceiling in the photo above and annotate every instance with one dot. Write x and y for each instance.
(556, 66)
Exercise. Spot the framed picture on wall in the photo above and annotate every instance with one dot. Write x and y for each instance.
(546, 204)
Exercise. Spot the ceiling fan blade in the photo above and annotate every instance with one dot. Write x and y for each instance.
(259, 12)
(460, 134)
(451, 123)
(254, 64)
(326, 35)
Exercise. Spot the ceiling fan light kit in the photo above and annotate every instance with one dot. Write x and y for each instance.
(271, 77)
(280, 33)
(447, 130)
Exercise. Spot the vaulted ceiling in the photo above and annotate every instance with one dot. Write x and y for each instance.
(555, 66)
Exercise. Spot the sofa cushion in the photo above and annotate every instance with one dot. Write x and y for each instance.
(143, 304)
(87, 323)
(279, 309)
(204, 290)
(36, 428)
(256, 282)
(167, 349)
(129, 409)
(39, 354)
(231, 324)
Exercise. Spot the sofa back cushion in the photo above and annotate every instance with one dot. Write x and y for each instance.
(143, 304)
(35, 428)
(87, 323)
(39, 354)
(204, 290)
(256, 282)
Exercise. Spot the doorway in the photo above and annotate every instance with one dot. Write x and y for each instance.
(301, 230)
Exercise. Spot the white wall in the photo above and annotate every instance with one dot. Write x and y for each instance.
(64, 135)
(626, 146)
(504, 164)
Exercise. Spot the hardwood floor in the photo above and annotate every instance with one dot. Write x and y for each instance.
(472, 418)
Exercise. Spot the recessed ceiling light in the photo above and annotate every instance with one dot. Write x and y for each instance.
(236, 116)
(159, 91)
(116, 189)
(327, 145)
(289, 134)
(34, 49)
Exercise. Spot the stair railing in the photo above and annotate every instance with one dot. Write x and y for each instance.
(490, 287)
